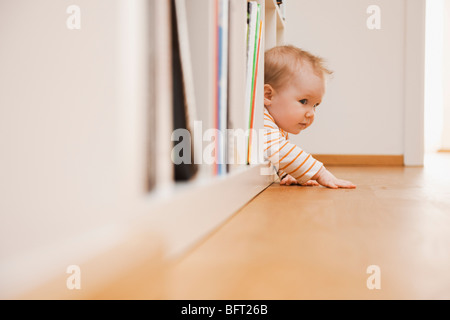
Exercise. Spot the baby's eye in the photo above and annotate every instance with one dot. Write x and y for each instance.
(304, 101)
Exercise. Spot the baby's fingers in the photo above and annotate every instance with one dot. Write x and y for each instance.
(288, 180)
(328, 183)
(345, 184)
(310, 183)
(331, 185)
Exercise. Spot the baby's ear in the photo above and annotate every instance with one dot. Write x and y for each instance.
(268, 93)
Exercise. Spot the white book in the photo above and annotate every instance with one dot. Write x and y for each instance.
(186, 61)
(251, 36)
(187, 74)
(237, 62)
(223, 83)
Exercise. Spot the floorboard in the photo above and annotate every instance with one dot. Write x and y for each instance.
(317, 243)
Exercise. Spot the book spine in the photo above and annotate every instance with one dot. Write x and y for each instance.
(253, 80)
(222, 85)
(254, 90)
(216, 85)
(252, 14)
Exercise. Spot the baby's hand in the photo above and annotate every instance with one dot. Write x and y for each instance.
(288, 180)
(325, 178)
(311, 183)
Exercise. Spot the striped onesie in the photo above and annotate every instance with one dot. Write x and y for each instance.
(286, 156)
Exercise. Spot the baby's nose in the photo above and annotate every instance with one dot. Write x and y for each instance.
(310, 114)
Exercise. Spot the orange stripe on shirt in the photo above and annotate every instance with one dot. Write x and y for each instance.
(267, 126)
(301, 164)
(287, 154)
(272, 140)
(293, 161)
(276, 141)
(287, 142)
(307, 170)
(266, 114)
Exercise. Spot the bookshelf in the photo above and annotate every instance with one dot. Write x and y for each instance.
(275, 24)
(157, 218)
(213, 199)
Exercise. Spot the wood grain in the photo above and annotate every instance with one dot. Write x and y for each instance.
(317, 243)
(297, 243)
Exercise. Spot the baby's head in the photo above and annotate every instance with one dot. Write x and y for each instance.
(294, 85)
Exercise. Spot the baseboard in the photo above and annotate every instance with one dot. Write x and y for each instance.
(360, 160)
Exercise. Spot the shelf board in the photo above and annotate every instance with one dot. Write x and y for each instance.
(209, 204)
(164, 225)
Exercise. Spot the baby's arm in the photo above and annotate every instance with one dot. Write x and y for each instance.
(289, 158)
(300, 166)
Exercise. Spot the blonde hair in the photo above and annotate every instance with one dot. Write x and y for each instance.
(282, 62)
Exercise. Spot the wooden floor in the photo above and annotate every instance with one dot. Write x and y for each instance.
(317, 243)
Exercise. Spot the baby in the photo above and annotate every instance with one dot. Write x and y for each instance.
(294, 85)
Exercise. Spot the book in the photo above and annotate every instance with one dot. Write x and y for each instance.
(183, 95)
(252, 7)
(255, 77)
(151, 145)
(186, 62)
(221, 113)
(253, 47)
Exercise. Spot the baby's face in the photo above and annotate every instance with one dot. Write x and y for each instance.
(293, 107)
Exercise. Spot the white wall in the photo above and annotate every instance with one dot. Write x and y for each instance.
(446, 78)
(72, 150)
(363, 110)
(434, 75)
